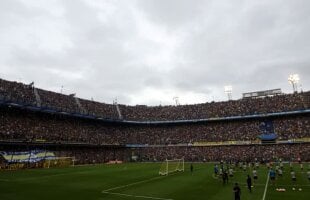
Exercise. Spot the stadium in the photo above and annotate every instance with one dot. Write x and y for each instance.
(154, 100)
(116, 151)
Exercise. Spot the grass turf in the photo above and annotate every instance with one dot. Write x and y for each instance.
(142, 180)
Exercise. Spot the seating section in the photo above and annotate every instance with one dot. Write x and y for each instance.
(280, 103)
(58, 101)
(23, 125)
(249, 153)
(228, 153)
(19, 92)
(99, 109)
(161, 141)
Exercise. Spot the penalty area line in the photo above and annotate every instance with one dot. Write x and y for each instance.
(136, 196)
(138, 182)
(135, 183)
(107, 191)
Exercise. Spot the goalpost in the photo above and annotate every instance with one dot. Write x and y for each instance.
(170, 166)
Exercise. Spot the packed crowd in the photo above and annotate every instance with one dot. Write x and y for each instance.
(23, 93)
(263, 153)
(94, 155)
(78, 155)
(286, 128)
(240, 107)
(71, 104)
(17, 92)
(29, 126)
(99, 109)
(24, 125)
(54, 101)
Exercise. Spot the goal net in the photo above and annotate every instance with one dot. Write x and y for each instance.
(59, 162)
(170, 166)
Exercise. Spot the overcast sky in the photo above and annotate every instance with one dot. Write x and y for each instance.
(147, 52)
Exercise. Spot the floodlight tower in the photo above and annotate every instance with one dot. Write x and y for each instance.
(176, 99)
(293, 79)
(115, 101)
(228, 91)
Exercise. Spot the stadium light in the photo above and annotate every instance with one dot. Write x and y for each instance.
(115, 101)
(294, 79)
(176, 99)
(228, 91)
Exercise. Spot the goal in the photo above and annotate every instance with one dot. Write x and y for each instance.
(59, 162)
(170, 166)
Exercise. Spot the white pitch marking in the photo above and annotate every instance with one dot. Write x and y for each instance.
(135, 183)
(255, 184)
(214, 177)
(264, 196)
(136, 196)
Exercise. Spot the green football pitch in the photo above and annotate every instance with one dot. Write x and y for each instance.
(141, 181)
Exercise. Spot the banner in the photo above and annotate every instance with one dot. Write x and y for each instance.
(205, 143)
(27, 156)
(301, 140)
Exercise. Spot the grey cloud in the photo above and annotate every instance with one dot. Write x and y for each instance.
(173, 13)
(117, 49)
